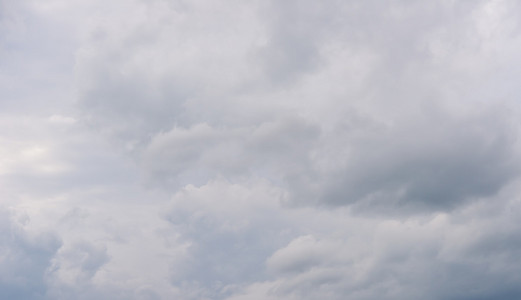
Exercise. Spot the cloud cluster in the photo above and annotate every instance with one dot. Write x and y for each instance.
(25, 258)
(393, 138)
(260, 150)
(439, 257)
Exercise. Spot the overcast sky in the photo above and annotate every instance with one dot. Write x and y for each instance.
(260, 150)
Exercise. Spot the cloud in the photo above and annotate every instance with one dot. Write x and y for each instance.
(229, 229)
(441, 256)
(197, 154)
(427, 163)
(384, 144)
(263, 150)
(25, 258)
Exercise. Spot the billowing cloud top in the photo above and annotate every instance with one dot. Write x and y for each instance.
(171, 149)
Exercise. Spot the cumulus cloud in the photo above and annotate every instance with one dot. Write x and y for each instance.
(430, 162)
(442, 256)
(263, 150)
(25, 258)
(388, 141)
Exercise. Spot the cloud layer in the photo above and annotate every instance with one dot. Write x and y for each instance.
(262, 150)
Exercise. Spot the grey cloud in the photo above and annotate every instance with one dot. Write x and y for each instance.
(26, 259)
(230, 229)
(128, 107)
(437, 257)
(310, 150)
(133, 94)
(407, 165)
(300, 255)
(86, 259)
(196, 154)
(432, 163)
(284, 137)
(293, 39)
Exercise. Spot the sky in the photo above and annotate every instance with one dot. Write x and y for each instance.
(260, 149)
